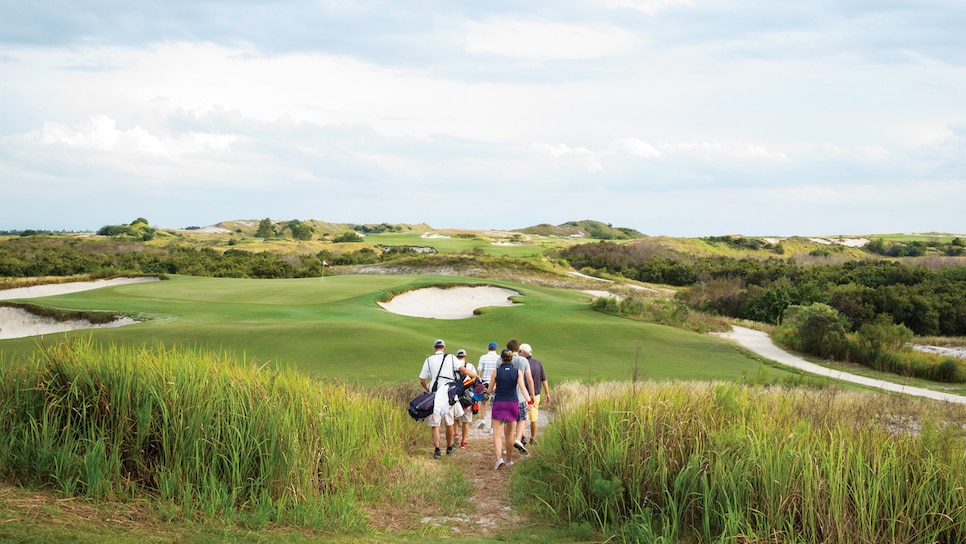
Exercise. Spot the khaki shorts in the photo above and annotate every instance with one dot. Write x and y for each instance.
(467, 416)
(449, 418)
(535, 408)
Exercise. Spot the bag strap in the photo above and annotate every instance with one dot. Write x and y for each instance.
(438, 371)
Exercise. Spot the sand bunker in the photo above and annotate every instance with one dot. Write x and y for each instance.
(451, 303)
(18, 323)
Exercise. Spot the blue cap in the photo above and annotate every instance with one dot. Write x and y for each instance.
(492, 345)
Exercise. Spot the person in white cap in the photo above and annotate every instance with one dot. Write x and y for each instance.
(437, 373)
(541, 392)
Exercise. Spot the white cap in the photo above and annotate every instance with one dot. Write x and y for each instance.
(526, 348)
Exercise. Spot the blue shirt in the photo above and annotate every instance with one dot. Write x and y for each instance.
(506, 383)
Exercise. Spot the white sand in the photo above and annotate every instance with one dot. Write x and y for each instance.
(452, 303)
(18, 323)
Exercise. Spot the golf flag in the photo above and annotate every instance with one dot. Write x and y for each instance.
(325, 263)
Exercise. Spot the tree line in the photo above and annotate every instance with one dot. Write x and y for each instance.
(927, 301)
(36, 256)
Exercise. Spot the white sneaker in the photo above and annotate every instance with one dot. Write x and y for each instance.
(509, 463)
(520, 447)
(499, 463)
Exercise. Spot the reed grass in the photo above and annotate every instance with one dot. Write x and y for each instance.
(700, 462)
(198, 432)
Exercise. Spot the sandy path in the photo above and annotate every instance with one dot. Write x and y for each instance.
(760, 343)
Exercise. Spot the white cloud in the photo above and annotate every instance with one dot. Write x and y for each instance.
(650, 7)
(539, 40)
(583, 156)
(635, 147)
(101, 133)
(718, 150)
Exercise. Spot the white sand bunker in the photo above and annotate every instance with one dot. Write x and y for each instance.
(450, 303)
(18, 323)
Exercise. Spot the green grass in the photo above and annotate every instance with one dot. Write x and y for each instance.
(333, 327)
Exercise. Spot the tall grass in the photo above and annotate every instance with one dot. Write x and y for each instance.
(198, 432)
(688, 462)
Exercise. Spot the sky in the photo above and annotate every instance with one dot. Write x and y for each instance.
(673, 117)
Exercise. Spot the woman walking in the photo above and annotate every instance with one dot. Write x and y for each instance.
(504, 382)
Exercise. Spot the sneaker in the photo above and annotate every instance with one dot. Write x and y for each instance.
(533, 441)
(509, 463)
(523, 441)
(481, 425)
(520, 448)
(456, 438)
(436, 454)
(449, 450)
(463, 445)
(499, 463)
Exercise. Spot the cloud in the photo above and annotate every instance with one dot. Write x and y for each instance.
(667, 116)
(650, 7)
(101, 133)
(541, 40)
(635, 147)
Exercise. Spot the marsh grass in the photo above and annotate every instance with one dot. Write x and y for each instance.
(715, 462)
(199, 433)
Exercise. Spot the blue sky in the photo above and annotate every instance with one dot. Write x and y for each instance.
(673, 117)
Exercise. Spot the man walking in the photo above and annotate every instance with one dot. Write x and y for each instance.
(439, 369)
(486, 365)
(541, 389)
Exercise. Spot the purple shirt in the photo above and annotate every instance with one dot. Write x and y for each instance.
(539, 376)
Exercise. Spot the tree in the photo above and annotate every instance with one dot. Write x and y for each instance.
(265, 229)
(817, 329)
(350, 236)
(882, 334)
(300, 230)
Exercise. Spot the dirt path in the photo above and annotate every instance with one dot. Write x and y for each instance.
(760, 343)
(491, 513)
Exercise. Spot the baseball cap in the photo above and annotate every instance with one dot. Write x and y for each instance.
(492, 345)
(439, 344)
(461, 353)
(526, 348)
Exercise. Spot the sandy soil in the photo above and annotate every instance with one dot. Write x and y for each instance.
(451, 303)
(18, 323)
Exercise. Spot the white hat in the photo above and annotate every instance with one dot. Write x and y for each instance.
(526, 348)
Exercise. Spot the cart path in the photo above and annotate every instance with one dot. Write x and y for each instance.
(760, 343)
